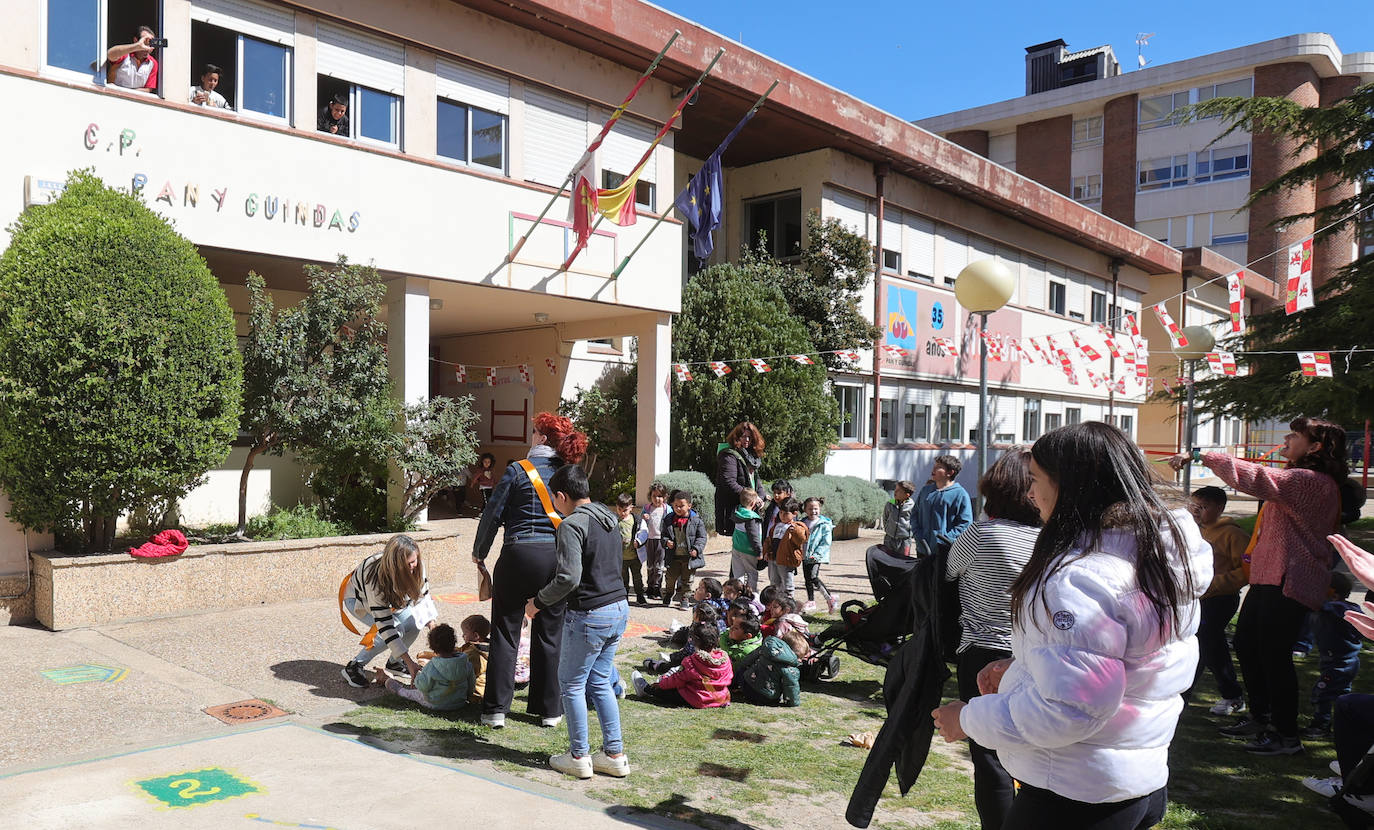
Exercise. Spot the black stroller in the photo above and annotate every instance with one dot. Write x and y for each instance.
(873, 633)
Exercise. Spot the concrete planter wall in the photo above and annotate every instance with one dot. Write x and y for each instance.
(846, 530)
(77, 591)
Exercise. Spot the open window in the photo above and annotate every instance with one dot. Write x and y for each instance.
(252, 45)
(369, 73)
(77, 33)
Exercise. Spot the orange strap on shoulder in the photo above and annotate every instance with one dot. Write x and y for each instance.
(345, 617)
(541, 490)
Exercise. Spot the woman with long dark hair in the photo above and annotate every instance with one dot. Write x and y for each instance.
(1290, 570)
(527, 563)
(1103, 617)
(986, 559)
(737, 468)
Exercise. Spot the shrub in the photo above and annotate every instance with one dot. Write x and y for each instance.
(702, 490)
(298, 522)
(120, 376)
(847, 498)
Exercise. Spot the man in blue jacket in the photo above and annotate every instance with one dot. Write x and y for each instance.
(943, 508)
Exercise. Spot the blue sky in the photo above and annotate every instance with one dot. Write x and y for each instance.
(916, 58)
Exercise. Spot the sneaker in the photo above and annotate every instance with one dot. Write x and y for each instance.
(809, 606)
(1316, 732)
(1272, 743)
(1336, 767)
(397, 666)
(1228, 706)
(496, 720)
(686, 605)
(354, 674)
(1324, 787)
(568, 765)
(832, 604)
(637, 680)
(1245, 728)
(617, 766)
(550, 722)
(639, 600)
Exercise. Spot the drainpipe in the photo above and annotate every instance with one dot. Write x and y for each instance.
(1112, 323)
(880, 171)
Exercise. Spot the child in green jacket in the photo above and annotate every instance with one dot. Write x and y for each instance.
(445, 682)
(747, 541)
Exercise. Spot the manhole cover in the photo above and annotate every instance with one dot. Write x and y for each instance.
(244, 711)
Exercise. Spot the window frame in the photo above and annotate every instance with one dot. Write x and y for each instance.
(1175, 178)
(948, 430)
(1075, 418)
(774, 238)
(843, 394)
(1208, 157)
(240, 104)
(1032, 408)
(896, 267)
(1096, 300)
(355, 119)
(1091, 137)
(471, 129)
(95, 76)
(887, 419)
(1166, 118)
(1063, 293)
(1056, 417)
(611, 179)
(909, 410)
(1087, 189)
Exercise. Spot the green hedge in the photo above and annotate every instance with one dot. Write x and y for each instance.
(847, 498)
(699, 485)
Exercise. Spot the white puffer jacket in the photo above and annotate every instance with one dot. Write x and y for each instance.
(1089, 706)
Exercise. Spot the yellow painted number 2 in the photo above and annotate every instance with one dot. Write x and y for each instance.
(190, 788)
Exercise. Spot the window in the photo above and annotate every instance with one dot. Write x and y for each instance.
(1087, 188)
(850, 416)
(77, 33)
(1072, 415)
(1099, 307)
(373, 116)
(1222, 163)
(1003, 438)
(1053, 421)
(1087, 131)
(1229, 89)
(1157, 111)
(887, 415)
(644, 191)
(950, 425)
(369, 73)
(925, 277)
(892, 261)
(1157, 174)
(1057, 297)
(1075, 315)
(779, 221)
(471, 135)
(1030, 420)
(255, 74)
(1216, 432)
(1127, 424)
(916, 423)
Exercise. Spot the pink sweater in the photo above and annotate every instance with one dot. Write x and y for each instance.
(1301, 508)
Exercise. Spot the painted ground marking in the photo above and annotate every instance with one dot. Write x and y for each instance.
(188, 789)
(85, 673)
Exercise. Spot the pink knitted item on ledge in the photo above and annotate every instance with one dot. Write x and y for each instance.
(165, 543)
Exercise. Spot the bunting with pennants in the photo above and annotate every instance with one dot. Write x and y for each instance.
(683, 373)
(1235, 298)
(804, 360)
(460, 372)
(1223, 363)
(1110, 340)
(1315, 364)
(524, 370)
(895, 351)
(947, 347)
(1176, 335)
(760, 365)
(491, 376)
(848, 354)
(1299, 295)
(553, 366)
(720, 368)
(1088, 351)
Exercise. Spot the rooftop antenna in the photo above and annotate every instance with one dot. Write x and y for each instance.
(1141, 41)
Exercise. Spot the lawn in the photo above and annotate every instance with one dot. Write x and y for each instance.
(749, 766)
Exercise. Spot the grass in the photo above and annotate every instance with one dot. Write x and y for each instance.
(770, 765)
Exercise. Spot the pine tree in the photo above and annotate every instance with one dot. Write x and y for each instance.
(1343, 135)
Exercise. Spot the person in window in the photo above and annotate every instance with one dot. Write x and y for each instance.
(132, 65)
(334, 117)
(204, 93)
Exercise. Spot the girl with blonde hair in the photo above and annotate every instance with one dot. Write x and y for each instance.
(382, 594)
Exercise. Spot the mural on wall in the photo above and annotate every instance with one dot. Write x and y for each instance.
(913, 317)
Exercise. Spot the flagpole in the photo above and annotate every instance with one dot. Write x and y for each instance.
(644, 158)
(591, 148)
(664, 215)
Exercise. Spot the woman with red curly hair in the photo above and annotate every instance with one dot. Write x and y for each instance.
(527, 563)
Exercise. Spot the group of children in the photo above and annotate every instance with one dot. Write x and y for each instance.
(926, 522)
(752, 649)
(786, 536)
(453, 675)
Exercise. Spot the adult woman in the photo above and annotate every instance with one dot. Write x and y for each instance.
(1290, 570)
(527, 563)
(1103, 617)
(382, 594)
(737, 468)
(986, 559)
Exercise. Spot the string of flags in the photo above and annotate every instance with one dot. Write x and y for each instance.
(464, 372)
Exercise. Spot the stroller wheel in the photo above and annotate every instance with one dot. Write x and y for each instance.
(831, 667)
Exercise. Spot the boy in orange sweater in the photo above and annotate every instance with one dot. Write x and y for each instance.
(1229, 575)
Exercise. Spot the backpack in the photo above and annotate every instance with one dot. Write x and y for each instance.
(1352, 499)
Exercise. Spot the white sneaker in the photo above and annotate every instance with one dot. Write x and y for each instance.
(495, 721)
(637, 680)
(551, 722)
(833, 604)
(617, 766)
(1228, 706)
(1324, 787)
(1336, 767)
(809, 606)
(568, 765)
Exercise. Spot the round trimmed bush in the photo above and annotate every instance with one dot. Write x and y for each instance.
(699, 485)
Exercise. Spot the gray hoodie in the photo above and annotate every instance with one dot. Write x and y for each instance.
(589, 558)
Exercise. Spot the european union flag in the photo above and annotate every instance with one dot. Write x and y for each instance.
(700, 206)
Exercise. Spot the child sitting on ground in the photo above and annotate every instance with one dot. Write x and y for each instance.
(445, 682)
(742, 635)
(476, 629)
(683, 536)
(710, 591)
(746, 543)
(703, 613)
(782, 616)
(703, 679)
(734, 589)
(768, 675)
(1339, 644)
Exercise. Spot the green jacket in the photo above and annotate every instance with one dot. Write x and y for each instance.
(737, 651)
(770, 674)
(748, 536)
(446, 682)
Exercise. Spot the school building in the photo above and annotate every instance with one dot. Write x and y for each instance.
(464, 118)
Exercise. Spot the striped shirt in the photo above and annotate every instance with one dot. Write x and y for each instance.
(368, 596)
(986, 559)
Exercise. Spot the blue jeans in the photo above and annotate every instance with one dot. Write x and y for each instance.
(405, 626)
(586, 671)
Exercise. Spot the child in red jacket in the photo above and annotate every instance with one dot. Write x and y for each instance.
(703, 679)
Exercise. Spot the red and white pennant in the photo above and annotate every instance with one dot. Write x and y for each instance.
(1299, 277)
(1315, 364)
(524, 372)
(461, 372)
(1175, 333)
(719, 368)
(1088, 351)
(759, 365)
(803, 359)
(683, 373)
(553, 367)
(1235, 297)
(1223, 363)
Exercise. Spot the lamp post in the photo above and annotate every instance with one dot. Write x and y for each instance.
(1200, 342)
(983, 287)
